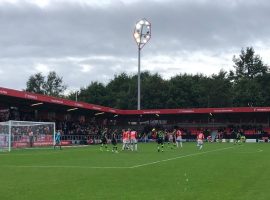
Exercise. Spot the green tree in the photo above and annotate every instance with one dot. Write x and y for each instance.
(95, 93)
(248, 65)
(249, 69)
(179, 90)
(122, 90)
(51, 85)
(36, 83)
(264, 87)
(154, 91)
(219, 90)
(54, 85)
(247, 93)
(189, 91)
(246, 85)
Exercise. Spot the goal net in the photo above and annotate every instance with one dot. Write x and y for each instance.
(26, 134)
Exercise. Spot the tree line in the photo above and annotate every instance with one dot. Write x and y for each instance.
(246, 85)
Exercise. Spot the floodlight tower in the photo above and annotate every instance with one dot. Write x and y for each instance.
(142, 34)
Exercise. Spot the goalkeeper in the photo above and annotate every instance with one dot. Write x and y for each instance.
(58, 139)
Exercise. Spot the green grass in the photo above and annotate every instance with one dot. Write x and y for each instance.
(219, 171)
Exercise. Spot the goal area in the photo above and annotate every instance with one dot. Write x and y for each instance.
(26, 134)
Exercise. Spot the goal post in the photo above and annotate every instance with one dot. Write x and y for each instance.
(26, 134)
(5, 137)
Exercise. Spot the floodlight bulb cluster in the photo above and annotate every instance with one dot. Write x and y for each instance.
(142, 32)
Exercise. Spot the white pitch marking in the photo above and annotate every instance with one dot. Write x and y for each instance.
(96, 167)
(64, 166)
(178, 157)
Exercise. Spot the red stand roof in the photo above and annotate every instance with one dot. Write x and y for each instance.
(74, 104)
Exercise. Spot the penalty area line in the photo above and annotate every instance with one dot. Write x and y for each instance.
(178, 157)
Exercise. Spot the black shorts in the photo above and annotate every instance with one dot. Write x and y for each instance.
(103, 141)
(160, 141)
(174, 140)
(166, 139)
(114, 142)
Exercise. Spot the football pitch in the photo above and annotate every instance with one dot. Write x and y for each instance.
(218, 171)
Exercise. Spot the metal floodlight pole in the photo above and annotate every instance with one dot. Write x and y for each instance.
(142, 34)
(76, 95)
(139, 79)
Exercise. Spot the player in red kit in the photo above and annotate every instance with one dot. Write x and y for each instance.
(179, 138)
(200, 138)
(133, 140)
(126, 139)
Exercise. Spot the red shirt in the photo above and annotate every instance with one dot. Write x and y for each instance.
(126, 135)
(200, 136)
(133, 134)
(178, 133)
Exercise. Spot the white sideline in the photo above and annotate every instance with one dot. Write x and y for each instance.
(132, 167)
(178, 157)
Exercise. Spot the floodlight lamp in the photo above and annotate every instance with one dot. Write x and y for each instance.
(136, 35)
(142, 22)
(138, 26)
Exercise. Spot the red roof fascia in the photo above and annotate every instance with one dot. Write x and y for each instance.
(198, 110)
(60, 101)
(54, 100)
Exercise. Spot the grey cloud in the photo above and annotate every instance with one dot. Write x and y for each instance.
(71, 29)
(31, 35)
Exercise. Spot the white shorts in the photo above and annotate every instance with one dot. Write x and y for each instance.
(179, 139)
(133, 141)
(126, 141)
(200, 142)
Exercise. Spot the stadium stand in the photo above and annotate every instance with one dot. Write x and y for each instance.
(82, 122)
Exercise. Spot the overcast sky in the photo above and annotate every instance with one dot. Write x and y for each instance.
(92, 40)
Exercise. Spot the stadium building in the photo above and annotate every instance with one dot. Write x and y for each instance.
(81, 122)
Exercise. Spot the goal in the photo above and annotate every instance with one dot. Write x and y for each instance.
(26, 134)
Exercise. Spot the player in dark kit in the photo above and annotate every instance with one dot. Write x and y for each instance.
(104, 139)
(160, 139)
(166, 138)
(238, 137)
(174, 137)
(114, 142)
